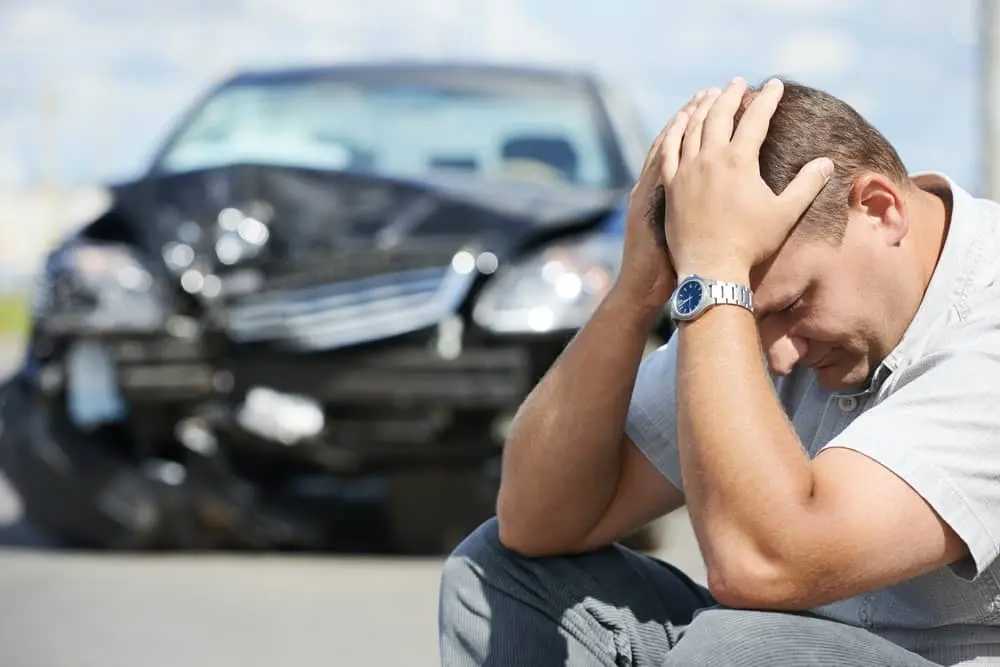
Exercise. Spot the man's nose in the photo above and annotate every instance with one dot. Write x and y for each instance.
(783, 350)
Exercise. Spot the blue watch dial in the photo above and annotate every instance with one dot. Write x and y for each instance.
(688, 297)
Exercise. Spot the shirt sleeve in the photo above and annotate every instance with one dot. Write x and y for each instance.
(938, 429)
(652, 415)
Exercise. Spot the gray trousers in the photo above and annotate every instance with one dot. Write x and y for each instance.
(616, 607)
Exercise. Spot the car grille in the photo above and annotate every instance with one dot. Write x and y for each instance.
(338, 314)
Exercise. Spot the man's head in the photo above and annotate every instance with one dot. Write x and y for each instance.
(843, 289)
(808, 124)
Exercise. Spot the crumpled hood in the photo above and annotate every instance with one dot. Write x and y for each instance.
(313, 214)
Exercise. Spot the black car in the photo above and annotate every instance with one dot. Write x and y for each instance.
(331, 283)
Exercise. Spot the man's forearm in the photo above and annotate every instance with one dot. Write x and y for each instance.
(746, 477)
(564, 450)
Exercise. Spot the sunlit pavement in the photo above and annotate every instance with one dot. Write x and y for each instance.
(73, 609)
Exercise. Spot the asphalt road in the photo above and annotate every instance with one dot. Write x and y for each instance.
(73, 609)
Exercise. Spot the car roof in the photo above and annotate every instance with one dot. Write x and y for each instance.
(422, 69)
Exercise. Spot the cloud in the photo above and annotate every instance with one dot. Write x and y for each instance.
(123, 71)
(120, 75)
(814, 53)
(12, 172)
(811, 8)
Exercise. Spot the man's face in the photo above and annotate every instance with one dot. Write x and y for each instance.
(817, 307)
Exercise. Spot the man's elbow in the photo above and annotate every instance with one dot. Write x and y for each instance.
(530, 540)
(524, 540)
(752, 581)
(518, 541)
(516, 533)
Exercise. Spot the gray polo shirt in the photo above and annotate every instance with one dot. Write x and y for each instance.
(931, 415)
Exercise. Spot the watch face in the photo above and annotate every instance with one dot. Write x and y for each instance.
(688, 297)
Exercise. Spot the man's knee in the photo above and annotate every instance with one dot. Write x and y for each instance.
(545, 610)
(482, 578)
(721, 637)
(464, 569)
(485, 536)
(473, 575)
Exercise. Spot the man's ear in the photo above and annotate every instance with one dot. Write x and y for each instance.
(881, 203)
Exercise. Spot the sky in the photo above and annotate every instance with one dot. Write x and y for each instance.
(88, 87)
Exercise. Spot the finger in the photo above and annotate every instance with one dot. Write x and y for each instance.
(687, 108)
(805, 187)
(651, 173)
(652, 176)
(756, 120)
(691, 145)
(718, 129)
(693, 102)
(679, 118)
(671, 148)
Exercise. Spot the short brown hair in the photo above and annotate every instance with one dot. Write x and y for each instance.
(808, 124)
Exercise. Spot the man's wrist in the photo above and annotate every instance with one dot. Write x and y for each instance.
(631, 306)
(730, 272)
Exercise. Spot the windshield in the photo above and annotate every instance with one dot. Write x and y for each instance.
(535, 132)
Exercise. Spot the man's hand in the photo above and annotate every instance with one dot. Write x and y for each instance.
(722, 218)
(647, 273)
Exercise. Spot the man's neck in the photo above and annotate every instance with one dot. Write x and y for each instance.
(930, 216)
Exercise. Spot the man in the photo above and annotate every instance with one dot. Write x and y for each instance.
(845, 495)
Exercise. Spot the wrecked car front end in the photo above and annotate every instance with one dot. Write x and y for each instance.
(332, 289)
(213, 348)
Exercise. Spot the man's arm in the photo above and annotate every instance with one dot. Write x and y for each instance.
(641, 495)
(778, 530)
(571, 480)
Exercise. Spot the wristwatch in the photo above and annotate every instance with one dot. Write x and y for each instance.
(694, 295)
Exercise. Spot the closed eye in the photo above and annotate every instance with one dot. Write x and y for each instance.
(793, 306)
(782, 310)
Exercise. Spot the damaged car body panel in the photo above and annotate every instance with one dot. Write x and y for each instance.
(244, 327)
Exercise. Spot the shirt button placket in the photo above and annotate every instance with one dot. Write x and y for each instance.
(836, 419)
(848, 403)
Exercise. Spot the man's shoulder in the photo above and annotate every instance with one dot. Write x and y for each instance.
(962, 350)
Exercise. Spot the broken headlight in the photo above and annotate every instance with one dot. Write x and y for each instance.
(556, 288)
(98, 287)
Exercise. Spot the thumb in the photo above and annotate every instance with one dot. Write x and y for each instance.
(806, 186)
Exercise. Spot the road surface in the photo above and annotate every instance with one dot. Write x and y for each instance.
(72, 609)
